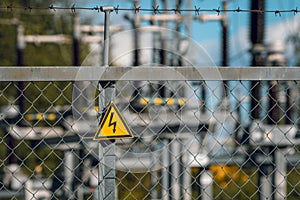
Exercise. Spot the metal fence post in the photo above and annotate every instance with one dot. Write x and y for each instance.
(175, 152)
(265, 182)
(206, 182)
(106, 173)
(69, 174)
(165, 193)
(280, 174)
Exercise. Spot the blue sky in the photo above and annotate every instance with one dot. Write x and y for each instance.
(209, 34)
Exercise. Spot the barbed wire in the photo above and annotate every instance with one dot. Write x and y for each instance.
(155, 9)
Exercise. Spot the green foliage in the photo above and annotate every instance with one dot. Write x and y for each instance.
(238, 189)
(293, 187)
(36, 22)
(133, 185)
(7, 44)
(233, 189)
(39, 97)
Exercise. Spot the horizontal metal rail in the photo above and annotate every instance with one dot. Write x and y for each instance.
(72, 73)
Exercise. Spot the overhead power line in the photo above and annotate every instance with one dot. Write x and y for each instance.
(154, 9)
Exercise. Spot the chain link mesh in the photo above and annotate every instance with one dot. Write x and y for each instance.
(192, 140)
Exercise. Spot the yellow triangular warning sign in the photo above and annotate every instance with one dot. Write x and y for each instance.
(112, 125)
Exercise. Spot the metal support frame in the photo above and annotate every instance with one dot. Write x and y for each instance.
(189, 73)
(280, 174)
(175, 175)
(69, 167)
(280, 158)
(106, 171)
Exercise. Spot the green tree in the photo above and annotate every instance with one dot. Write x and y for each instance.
(38, 97)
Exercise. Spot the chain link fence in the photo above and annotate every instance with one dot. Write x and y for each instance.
(231, 135)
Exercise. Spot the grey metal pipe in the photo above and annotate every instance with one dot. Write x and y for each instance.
(106, 171)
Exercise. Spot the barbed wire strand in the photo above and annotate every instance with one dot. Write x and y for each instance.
(155, 9)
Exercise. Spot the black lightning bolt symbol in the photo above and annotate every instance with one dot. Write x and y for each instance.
(112, 123)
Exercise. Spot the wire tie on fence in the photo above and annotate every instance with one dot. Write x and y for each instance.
(238, 10)
(73, 9)
(217, 10)
(261, 11)
(137, 9)
(155, 9)
(96, 8)
(28, 8)
(177, 9)
(197, 11)
(116, 9)
(51, 7)
(277, 12)
(10, 7)
(295, 11)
